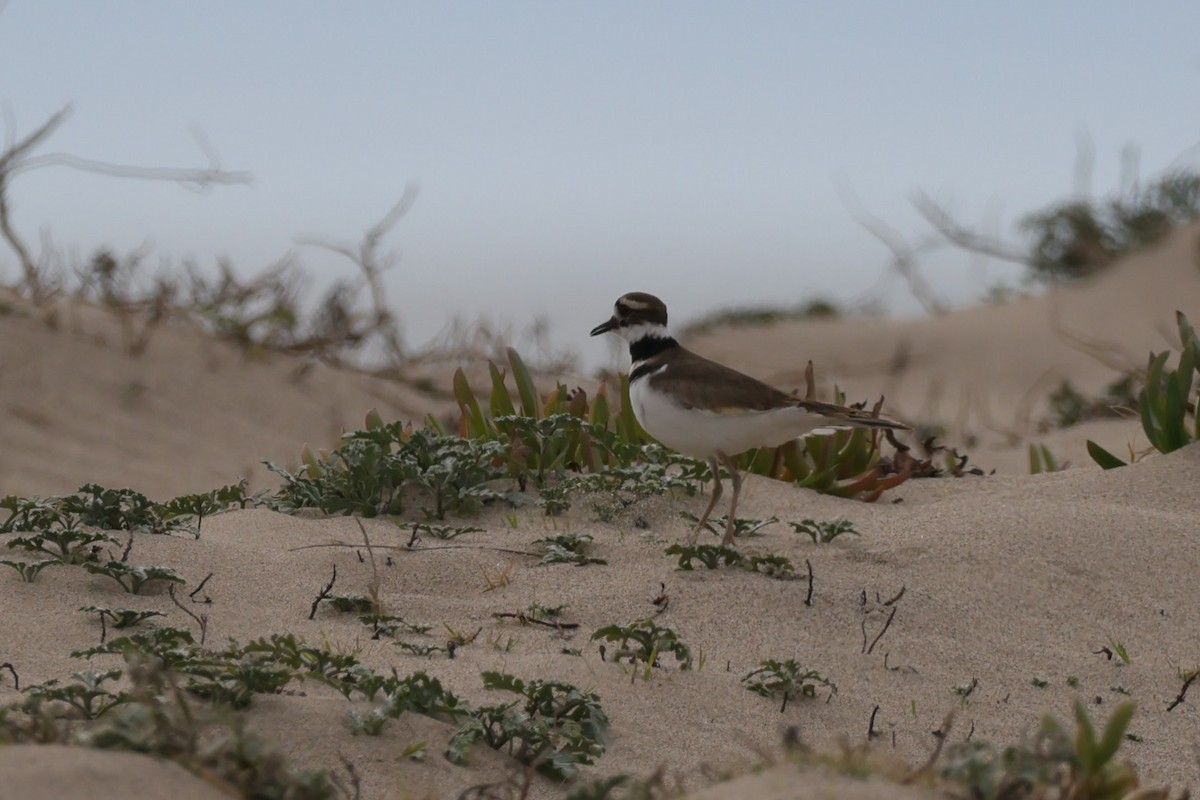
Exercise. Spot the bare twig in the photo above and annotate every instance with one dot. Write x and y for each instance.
(192, 594)
(904, 256)
(808, 597)
(407, 549)
(871, 732)
(16, 678)
(323, 594)
(941, 734)
(17, 158)
(526, 619)
(201, 620)
(367, 257)
(882, 631)
(958, 235)
(373, 585)
(1183, 692)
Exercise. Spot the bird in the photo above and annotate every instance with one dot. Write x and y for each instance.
(707, 410)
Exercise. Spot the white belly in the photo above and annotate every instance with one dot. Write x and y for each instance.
(700, 434)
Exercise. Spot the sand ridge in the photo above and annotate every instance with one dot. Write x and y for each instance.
(1011, 582)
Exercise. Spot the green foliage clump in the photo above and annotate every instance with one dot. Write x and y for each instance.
(69, 528)
(122, 617)
(714, 556)
(1077, 764)
(1042, 460)
(1077, 238)
(554, 726)
(758, 316)
(29, 570)
(786, 679)
(567, 548)
(645, 641)
(824, 532)
(153, 717)
(132, 577)
(1167, 401)
(373, 468)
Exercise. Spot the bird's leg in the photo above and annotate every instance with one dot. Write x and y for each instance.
(735, 477)
(716, 495)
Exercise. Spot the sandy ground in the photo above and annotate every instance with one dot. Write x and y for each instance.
(1011, 582)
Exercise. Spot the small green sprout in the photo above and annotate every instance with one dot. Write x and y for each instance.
(29, 571)
(643, 641)
(824, 532)
(567, 548)
(350, 603)
(133, 578)
(122, 617)
(785, 679)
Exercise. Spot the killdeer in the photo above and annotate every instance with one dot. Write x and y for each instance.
(707, 410)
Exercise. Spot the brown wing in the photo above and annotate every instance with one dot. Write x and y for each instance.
(714, 386)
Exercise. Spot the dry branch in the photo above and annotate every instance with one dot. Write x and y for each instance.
(17, 157)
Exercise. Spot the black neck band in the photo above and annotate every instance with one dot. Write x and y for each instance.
(650, 346)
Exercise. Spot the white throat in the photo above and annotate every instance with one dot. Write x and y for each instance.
(643, 330)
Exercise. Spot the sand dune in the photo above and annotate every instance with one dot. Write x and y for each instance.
(1012, 582)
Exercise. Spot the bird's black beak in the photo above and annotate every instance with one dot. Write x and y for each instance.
(605, 327)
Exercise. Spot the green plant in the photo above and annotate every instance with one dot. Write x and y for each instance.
(567, 548)
(155, 718)
(133, 578)
(824, 532)
(34, 514)
(29, 571)
(453, 472)
(422, 694)
(172, 647)
(388, 625)
(122, 617)
(443, 532)
(369, 473)
(645, 641)
(1073, 765)
(116, 510)
(371, 723)
(360, 477)
(785, 679)
(185, 507)
(754, 316)
(420, 649)
(712, 556)
(545, 437)
(1079, 237)
(771, 565)
(68, 545)
(553, 726)
(61, 521)
(653, 470)
(88, 695)
(351, 603)
(742, 527)
(1166, 401)
(1042, 460)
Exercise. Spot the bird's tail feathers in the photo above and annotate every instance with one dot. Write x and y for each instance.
(841, 416)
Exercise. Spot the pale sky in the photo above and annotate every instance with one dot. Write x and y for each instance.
(567, 153)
